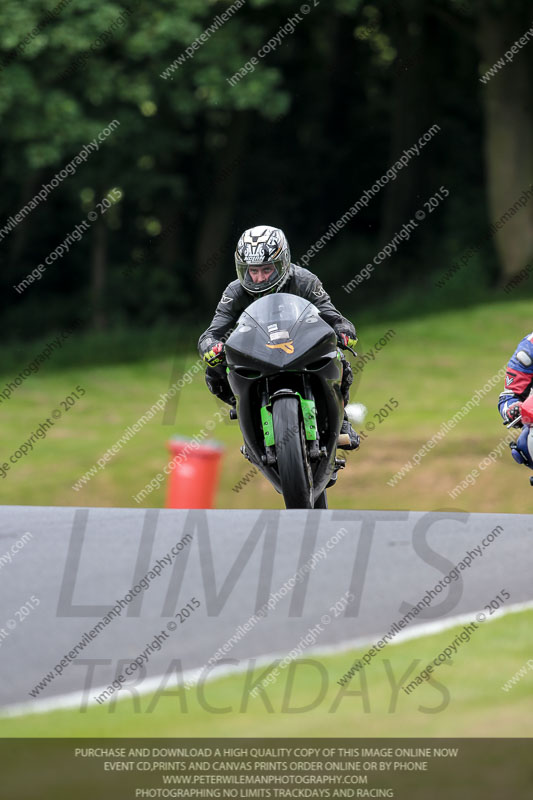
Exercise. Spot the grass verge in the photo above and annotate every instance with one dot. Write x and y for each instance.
(431, 366)
(464, 697)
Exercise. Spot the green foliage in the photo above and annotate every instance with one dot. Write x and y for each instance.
(310, 125)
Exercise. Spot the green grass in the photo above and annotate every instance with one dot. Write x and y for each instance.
(465, 699)
(432, 367)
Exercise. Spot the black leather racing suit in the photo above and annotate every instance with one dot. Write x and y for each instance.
(235, 300)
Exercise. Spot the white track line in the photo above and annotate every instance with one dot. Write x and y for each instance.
(80, 700)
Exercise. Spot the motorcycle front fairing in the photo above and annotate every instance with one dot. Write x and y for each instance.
(282, 339)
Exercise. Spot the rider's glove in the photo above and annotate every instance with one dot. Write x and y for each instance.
(345, 341)
(215, 355)
(512, 412)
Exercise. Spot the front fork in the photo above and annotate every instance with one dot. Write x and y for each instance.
(308, 407)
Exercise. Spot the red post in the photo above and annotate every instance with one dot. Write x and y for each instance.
(194, 474)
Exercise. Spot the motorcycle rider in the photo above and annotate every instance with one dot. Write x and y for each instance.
(518, 385)
(263, 263)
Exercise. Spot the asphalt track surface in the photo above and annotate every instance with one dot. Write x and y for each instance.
(79, 562)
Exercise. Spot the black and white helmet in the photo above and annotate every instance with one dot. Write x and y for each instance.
(263, 246)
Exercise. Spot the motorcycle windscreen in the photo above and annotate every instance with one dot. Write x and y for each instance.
(270, 322)
(279, 312)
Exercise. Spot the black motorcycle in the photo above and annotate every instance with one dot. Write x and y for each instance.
(285, 370)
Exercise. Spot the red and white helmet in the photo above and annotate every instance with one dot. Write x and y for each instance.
(263, 246)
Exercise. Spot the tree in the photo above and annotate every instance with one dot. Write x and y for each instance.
(508, 110)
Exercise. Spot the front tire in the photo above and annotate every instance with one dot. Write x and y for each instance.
(321, 501)
(291, 452)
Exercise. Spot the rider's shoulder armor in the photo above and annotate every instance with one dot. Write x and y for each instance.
(234, 288)
(519, 375)
(301, 278)
(234, 299)
(522, 358)
(305, 283)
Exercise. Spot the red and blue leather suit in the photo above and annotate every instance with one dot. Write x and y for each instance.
(518, 385)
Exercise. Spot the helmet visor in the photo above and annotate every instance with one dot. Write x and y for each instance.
(259, 278)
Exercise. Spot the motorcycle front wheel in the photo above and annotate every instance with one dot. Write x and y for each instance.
(292, 457)
(321, 501)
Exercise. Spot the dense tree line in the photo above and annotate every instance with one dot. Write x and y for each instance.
(208, 116)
